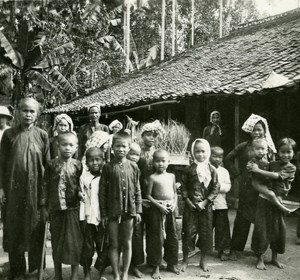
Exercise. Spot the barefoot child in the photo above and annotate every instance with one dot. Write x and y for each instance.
(199, 189)
(270, 228)
(120, 202)
(61, 195)
(94, 234)
(220, 212)
(162, 194)
(23, 156)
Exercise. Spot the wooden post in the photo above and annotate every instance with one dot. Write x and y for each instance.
(163, 27)
(173, 26)
(193, 23)
(124, 29)
(221, 18)
(127, 35)
(236, 142)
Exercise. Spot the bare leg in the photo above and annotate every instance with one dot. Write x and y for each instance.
(173, 268)
(135, 271)
(87, 275)
(260, 262)
(127, 230)
(74, 269)
(113, 248)
(156, 273)
(275, 261)
(57, 271)
(203, 262)
(185, 262)
(232, 255)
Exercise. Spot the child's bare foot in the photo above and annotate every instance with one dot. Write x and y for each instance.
(135, 271)
(203, 265)
(117, 277)
(124, 276)
(173, 268)
(232, 255)
(156, 273)
(184, 266)
(260, 263)
(222, 256)
(277, 263)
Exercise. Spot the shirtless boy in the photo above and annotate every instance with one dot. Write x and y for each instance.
(161, 191)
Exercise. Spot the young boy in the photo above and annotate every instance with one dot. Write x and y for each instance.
(94, 233)
(162, 194)
(134, 152)
(220, 213)
(120, 202)
(62, 194)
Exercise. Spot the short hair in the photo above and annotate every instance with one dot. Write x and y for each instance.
(160, 152)
(135, 146)
(216, 149)
(90, 150)
(287, 141)
(66, 135)
(32, 101)
(259, 141)
(121, 135)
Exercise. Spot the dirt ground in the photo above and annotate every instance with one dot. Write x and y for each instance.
(243, 269)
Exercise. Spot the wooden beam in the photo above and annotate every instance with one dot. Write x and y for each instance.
(163, 27)
(173, 26)
(221, 18)
(193, 23)
(127, 36)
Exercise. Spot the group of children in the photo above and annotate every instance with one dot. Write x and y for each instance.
(108, 207)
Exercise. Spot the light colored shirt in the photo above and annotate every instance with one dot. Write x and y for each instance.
(90, 208)
(225, 186)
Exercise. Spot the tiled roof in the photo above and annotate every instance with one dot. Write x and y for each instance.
(237, 64)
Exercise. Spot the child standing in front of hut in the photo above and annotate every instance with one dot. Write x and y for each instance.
(94, 233)
(120, 202)
(220, 212)
(199, 189)
(61, 195)
(161, 192)
(134, 152)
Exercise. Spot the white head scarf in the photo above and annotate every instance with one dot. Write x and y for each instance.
(114, 123)
(153, 126)
(215, 125)
(97, 105)
(203, 170)
(249, 124)
(68, 119)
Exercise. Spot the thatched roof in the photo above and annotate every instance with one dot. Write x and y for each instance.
(237, 64)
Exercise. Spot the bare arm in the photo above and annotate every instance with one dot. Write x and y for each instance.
(268, 174)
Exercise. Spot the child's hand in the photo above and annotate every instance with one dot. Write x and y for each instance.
(44, 214)
(252, 167)
(164, 209)
(138, 218)
(201, 205)
(177, 185)
(172, 207)
(190, 204)
(81, 196)
(104, 221)
(146, 203)
(2, 197)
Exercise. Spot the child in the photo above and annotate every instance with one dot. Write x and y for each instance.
(270, 225)
(61, 195)
(23, 156)
(134, 152)
(94, 234)
(162, 194)
(220, 213)
(62, 123)
(259, 163)
(199, 189)
(5, 118)
(120, 202)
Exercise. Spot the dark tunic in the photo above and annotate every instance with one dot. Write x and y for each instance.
(84, 134)
(195, 222)
(23, 155)
(214, 139)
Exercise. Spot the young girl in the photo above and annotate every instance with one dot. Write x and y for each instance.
(199, 188)
(270, 225)
(23, 156)
(62, 123)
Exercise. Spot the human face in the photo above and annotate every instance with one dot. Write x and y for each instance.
(62, 127)
(94, 162)
(67, 147)
(216, 158)
(260, 149)
(28, 114)
(215, 119)
(286, 153)
(120, 148)
(258, 131)
(116, 128)
(200, 152)
(94, 114)
(161, 162)
(133, 155)
(149, 138)
(3, 121)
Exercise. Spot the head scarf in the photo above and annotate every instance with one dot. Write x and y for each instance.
(97, 105)
(114, 123)
(249, 124)
(57, 120)
(203, 170)
(214, 126)
(154, 127)
(97, 139)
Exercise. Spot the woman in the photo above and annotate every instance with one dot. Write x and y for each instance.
(257, 127)
(213, 133)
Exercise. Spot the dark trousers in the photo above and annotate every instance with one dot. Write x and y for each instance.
(162, 234)
(222, 229)
(240, 233)
(17, 263)
(95, 239)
